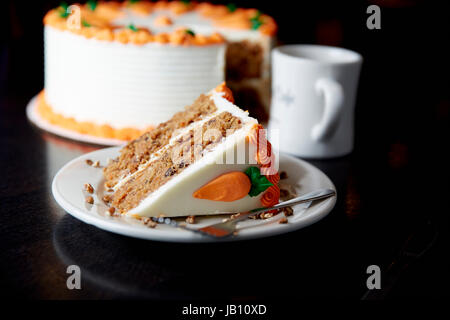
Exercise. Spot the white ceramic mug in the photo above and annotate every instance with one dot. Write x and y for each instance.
(313, 99)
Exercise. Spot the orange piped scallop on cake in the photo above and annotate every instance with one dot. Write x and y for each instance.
(202, 161)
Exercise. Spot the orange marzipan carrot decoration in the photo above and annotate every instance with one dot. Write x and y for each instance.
(227, 187)
(228, 94)
(271, 197)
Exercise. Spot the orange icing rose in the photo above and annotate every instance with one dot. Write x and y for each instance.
(212, 11)
(264, 154)
(179, 7)
(180, 36)
(233, 24)
(227, 92)
(271, 197)
(239, 19)
(256, 134)
(274, 178)
(161, 5)
(163, 21)
(162, 38)
(108, 10)
(216, 38)
(142, 8)
(270, 169)
(227, 187)
(269, 28)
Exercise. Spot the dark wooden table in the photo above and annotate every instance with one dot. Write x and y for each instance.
(382, 203)
(392, 208)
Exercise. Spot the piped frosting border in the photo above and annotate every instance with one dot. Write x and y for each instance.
(96, 20)
(85, 127)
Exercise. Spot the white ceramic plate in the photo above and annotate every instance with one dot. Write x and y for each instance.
(40, 122)
(68, 191)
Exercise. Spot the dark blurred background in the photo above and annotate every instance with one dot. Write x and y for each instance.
(403, 90)
(400, 164)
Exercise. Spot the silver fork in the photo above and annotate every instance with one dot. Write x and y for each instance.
(228, 227)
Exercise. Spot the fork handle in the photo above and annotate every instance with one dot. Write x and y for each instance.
(310, 196)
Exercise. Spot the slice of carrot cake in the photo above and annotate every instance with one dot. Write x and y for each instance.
(212, 157)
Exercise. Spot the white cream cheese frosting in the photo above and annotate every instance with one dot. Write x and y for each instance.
(125, 85)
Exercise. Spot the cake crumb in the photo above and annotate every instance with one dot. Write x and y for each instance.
(283, 220)
(288, 211)
(106, 198)
(111, 210)
(266, 215)
(89, 200)
(149, 222)
(152, 224)
(190, 220)
(89, 162)
(108, 185)
(88, 188)
(284, 193)
(283, 175)
(234, 216)
(96, 164)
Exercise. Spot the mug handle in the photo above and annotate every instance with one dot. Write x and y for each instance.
(334, 102)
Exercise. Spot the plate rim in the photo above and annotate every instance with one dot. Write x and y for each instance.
(146, 233)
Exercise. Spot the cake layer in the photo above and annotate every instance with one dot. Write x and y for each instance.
(125, 86)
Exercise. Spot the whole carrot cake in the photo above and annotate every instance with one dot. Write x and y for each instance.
(212, 157)
(115, 70)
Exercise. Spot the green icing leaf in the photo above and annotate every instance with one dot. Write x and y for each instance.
(186, 2)
(259, 182)
(256, 21)
(132, 27)
(231, 7)
(133, 1)
(92, 4)
(256, 25)
(64, 10)
(190, 32)
(85, 24)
